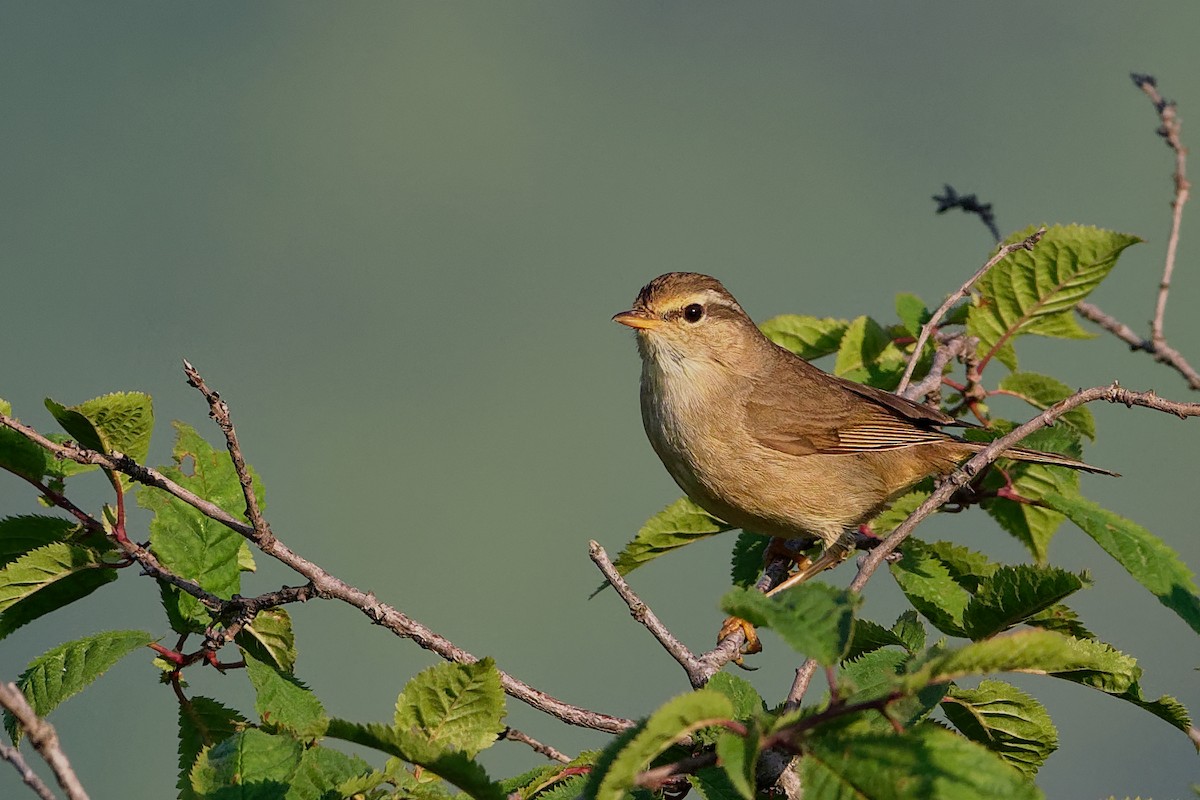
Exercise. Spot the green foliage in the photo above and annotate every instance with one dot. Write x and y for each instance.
(1036, 291)
(927, 762)
(679, 524)
(1042, 391)
(807, 337)
(747, 561)
(64, 671)
(203, 722)
(254, 764)
(282, 701)
(867, 354)
(188, 543)
(813, 618)
(1011, 595)
(270, 638)
(666, 726)
(1146, 557)
(115, 423)
(18, 455)
(911, 312)
(458, 706)
(1005, 720)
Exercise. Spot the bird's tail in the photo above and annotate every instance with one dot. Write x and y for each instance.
(1054, 459)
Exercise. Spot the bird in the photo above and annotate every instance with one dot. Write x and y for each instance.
(767, 442)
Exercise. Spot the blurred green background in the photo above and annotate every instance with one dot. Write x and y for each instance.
(392, 235)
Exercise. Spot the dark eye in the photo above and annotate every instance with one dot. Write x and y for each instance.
(693, 313)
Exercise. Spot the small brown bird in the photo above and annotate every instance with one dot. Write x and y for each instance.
(764, 440)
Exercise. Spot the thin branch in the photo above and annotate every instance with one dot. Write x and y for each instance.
(932, 382)
(935, 320)
(961, 476)
(648, 619)
(729, 648)
(1162, 352)
(326, 585)
(1169, 130)
(804, 676)
(44, 739)
(30, 778)
(515, 735)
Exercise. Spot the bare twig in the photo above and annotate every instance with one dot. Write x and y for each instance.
(649, 620)
(515, 735)
(325, 584)
(30, 778)
(43, 738)
(1112, 393)
(1162, 352)
(932, 382)
(928, 328)
(804, 677)
(1169, 130)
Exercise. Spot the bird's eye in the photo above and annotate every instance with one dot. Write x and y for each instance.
(693, 313)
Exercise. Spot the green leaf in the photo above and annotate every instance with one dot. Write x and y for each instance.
(679, 524)
(120, 422)
(807, 337)
(51, 597)
(321, 773)
(42, 568)
(187, 542)
(867, 354)
(457, 706)
(64, 671)
(968, 568)
(269, 636)
(202, 723)
(1061, 619)
(281, 700)
(1032, 524)
(747, 703)
(738, 755)
(18, 455)
(813, 618)
(1166, 708)
(710, 783)
(671, 723)
(911, 312)
(874, 675)
(1013, 594)
(869, 636)
(897, 511)
(928, 762)
(909, 628)
(1036, 292)
(1042, 391)
(450, 765)
(1037, 652)
(250, 765)
(928, 585)
(1147, 558)
(748, 553)
(1006, 721)
(19, 535)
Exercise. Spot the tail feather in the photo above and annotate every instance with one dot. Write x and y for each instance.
(1054, 459)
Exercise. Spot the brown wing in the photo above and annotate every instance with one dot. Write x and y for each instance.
(836, 416)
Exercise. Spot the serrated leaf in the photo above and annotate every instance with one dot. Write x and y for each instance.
(49, 598)
(911, 312)
(19, 455)
(1037, 652)
(1042, 391)
(202, 723)
(807, 337)
(897, 511)
(711, 783)
(270, 637)
(1062, 620)
(671, 723)
(457, 706)
(282, 701)
(679, 524)
(1036, 291)
(250, 765)
(187, 542)
(868, 355)
(119, 422)
(738, 756)
(1166, 708)
(928, 585)
(450, 765)
(1013, 594)
(868, 636)
(813, 618)
(42, 568)
(64, 671)
(909, 629)
(874, 675)
(19, 535)
(968, 568)
(1006, 721)
(927, 762)
(747, 561)
(1150, 561)
(745, 699)
(321, 773)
